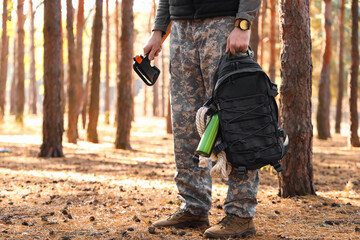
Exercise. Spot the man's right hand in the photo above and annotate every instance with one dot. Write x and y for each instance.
(153, 45)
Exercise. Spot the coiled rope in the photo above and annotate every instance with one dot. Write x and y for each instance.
(222, 167)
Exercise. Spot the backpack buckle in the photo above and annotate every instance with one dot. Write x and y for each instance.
(277, 166)
(273, 91)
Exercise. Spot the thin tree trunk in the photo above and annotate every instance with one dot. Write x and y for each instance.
(163, 84)
(254, 37)
(63, 95)
(79, 58)
(295, 99)
(168, 116)
(155, 89)
(340, 90)
(262, 35)
(85, 107)
(125, 93)
(272, 42)
(3, 61)
(323, 110)
(92, 135)
(117, 41)
(52, 117)
(32, 87)
(14, 80)
(354, 71)
(107, 67)
(72, 96)
(20, 83)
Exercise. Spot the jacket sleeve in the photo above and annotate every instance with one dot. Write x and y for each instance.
(162, 18)
(248, 9)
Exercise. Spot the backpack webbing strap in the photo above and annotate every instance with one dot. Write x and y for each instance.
(219, 148)
(277, 166)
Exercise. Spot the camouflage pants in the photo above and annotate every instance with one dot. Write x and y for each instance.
(195, 49)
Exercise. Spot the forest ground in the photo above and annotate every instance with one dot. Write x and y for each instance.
(98, 192)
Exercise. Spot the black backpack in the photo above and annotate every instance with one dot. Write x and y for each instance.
(244, 98)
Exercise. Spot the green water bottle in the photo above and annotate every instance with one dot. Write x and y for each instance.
(207, 141)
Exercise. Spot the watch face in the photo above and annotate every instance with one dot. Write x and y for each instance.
(244, 25)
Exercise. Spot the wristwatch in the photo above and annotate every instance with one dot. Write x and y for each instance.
(243, 24)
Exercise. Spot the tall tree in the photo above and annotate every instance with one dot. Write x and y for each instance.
(20, 83)
(295, 98)
(63, 95)
(262, 27)
(354, 72)
(340, 90)
(72, 96)
(32, 87)
(117, 48)
(3, 60)
(79, 57)
(272, 42)
(254, 36)
(52, 117)
(14, 80)
(107, 67)
(323, 110)
(125, 96)
(92, 135)
(155, 89)
(163, 83)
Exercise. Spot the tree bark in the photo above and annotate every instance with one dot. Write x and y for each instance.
(254, 36)
(262, 35)
(168, 117)
(272, 41)
(3, 61)
(32, 87)
(72, 82)
(14, 80)
(20, 83)
(155, 89)
(340, 90)
(92, 135)
(354, 71)
(87, 84)
(295, 98)
(125, 94)
(79, 58)
(52, 112)
(107, 67)
(117, 40)
(163, 83)
(323, 110)
(63, 95)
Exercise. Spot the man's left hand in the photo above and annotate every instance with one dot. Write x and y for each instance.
(238, 41)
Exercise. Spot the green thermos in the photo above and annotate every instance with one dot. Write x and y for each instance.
(207, 140)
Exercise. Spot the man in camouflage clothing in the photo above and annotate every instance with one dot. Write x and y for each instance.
(201, 32)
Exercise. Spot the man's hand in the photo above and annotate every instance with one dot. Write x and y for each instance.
(238, 41)
(153, 45)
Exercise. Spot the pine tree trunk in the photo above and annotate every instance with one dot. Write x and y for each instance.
(14, 80)
(155, 89)
(79, 57)
(107, 67)
(323, 110)
(340, 90)
(125, 94)
(117, 41)
(63, 95)
(52, 109)
(92, 135)
(272, 41)
(295, 98)
(20, 83)
(3, 61)
(262, 35)
(32, 87)
(72, 82)
(254, 36)
(354, 71)
(85, 106)
(168, 117)
(163, 84)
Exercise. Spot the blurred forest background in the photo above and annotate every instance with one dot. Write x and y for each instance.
(82, 137)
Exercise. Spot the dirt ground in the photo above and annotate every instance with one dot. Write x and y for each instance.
(97, 192)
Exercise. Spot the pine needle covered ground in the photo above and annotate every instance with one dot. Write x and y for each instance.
(97, 192)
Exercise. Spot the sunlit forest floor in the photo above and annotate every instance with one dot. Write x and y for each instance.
(97, 192)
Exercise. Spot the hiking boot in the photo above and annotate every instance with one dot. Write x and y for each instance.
(182, 219)
(231, 226)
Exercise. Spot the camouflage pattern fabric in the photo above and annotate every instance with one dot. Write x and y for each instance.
(196, 47)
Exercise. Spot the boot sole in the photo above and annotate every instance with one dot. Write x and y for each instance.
(243, 234)
(187, 225)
